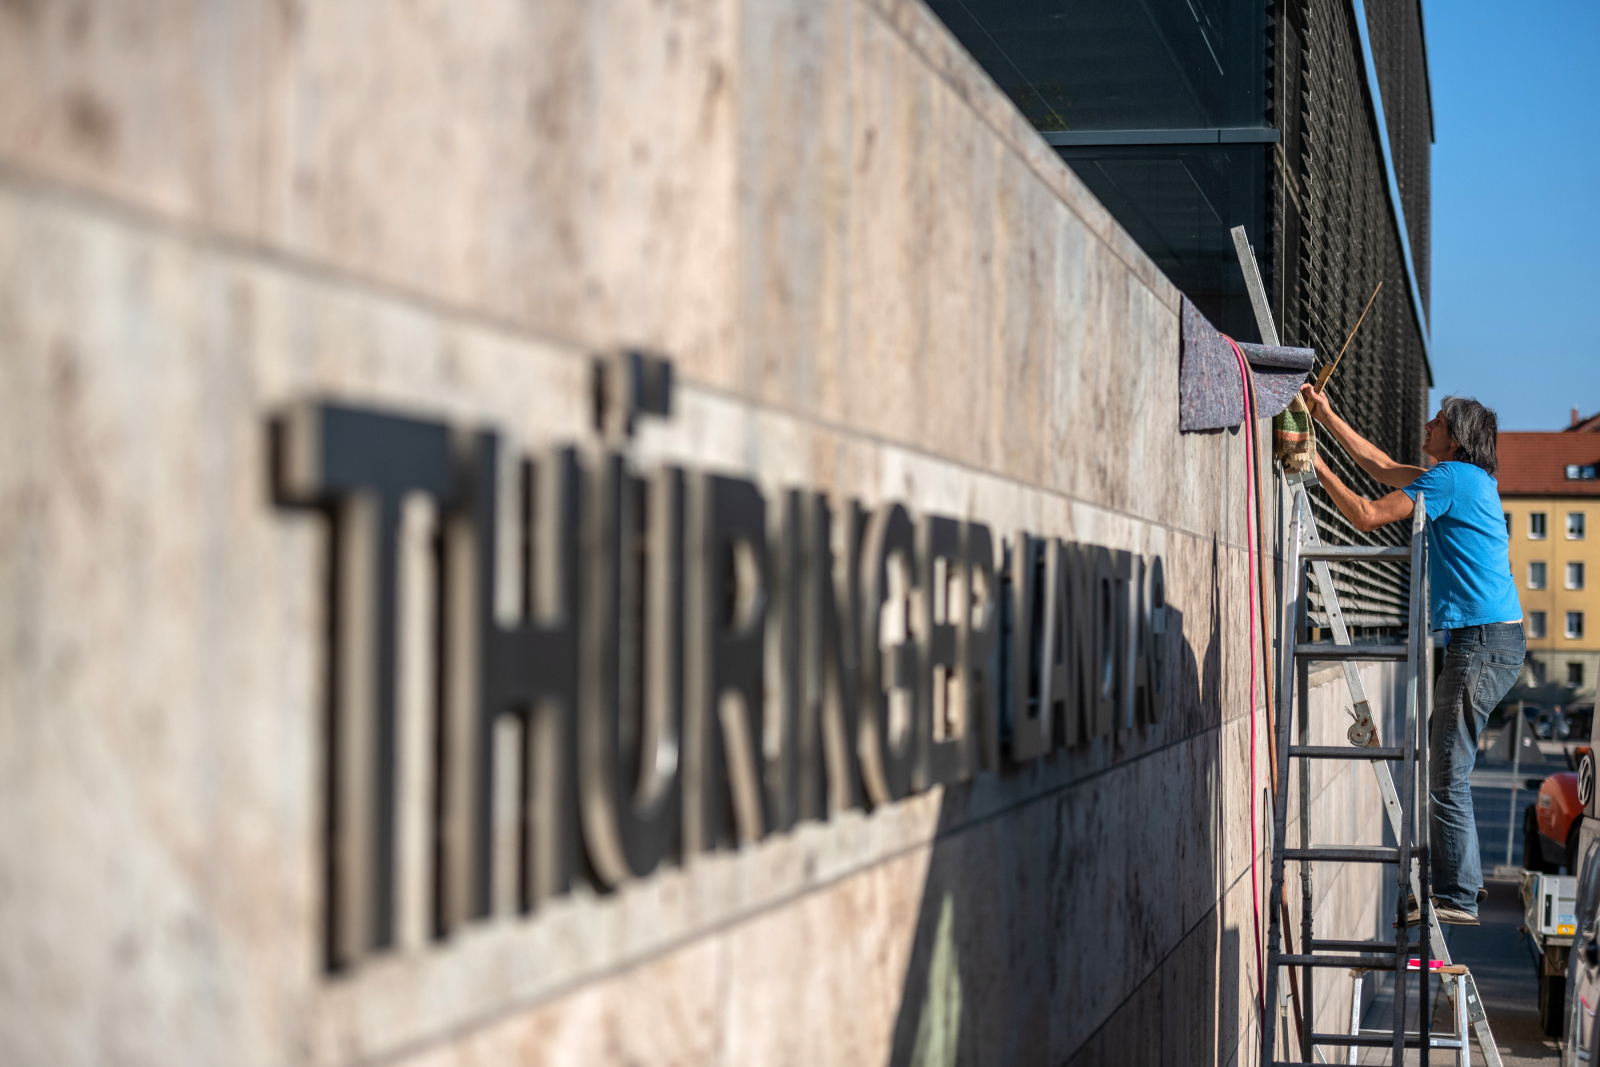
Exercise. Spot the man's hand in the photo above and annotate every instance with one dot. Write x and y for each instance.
(1317, 401)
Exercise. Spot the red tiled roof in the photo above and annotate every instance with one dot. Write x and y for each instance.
(1535, 464)
(1581, 425)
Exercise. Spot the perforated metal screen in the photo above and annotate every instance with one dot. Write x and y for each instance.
(1334, 238)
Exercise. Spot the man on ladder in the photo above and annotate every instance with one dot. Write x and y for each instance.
(1473, 597)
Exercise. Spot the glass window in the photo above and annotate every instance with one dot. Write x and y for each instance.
(1583, 473)
(1115, 65)
(1536, 574)
(1508, 523)
(1120, 82)
(1536, 526)
(1574, 525)
(1575, 674)
(1574, 576)
(1575, 625)
(1179, 203)
(1536, 624)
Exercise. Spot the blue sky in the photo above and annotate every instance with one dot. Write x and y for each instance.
(1516, 206)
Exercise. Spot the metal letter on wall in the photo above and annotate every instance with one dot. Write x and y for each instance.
(1126, 629)
(1030, 726)
(781, 762)
(632, 686)
(528, 670)
(1102, 589)
(826, 775)
(1153, 640)
(1055, 671)
(941, 727)
(831, 651)
(1044, 654)
(723, 716)
(359, 466)
(888, 655)
(980, 648)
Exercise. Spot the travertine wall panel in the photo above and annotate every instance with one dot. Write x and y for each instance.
(160, 104)
(874, 280)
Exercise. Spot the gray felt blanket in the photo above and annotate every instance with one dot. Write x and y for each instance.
(1210, 395)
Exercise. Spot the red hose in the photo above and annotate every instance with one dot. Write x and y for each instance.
(1250, 557)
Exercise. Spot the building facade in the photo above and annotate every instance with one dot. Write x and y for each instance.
(400, 664)
(1551, 499)
(1308, 122)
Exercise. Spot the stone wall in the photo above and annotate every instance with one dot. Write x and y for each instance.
(873, 279)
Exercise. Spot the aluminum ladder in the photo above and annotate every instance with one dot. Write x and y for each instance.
(1405, 806)
(1303, 532)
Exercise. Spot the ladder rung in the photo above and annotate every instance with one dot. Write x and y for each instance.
(1363, 1040)
(1314, 553)
(1319, 945)
(1344, 854)
(1344, 752)
(1412, 1034)
(1324, 650)
(1365, 963)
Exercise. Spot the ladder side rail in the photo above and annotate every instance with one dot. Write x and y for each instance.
(1440, 950)
(1280, 804)
(1303, 699)
(1408, 798)
(1480, 1022)
(1386, 784)
(1355, 1015)
(1421, 644)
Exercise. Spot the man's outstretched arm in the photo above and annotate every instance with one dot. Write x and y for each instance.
(1365, 515)
(1372, 459)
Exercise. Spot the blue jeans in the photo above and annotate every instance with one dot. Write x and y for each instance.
(1480, 667)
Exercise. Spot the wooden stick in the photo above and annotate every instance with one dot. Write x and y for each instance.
(1327, 372)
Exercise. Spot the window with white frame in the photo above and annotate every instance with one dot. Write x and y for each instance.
(1536, 624)
(1574, 576)
(1574, 526)
(1575, 625)
(1536, 574)
(1536, 526)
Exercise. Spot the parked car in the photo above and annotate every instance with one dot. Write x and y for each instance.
(1551, 724)
(1552, 823)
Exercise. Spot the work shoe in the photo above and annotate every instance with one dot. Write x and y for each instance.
(1447, 913)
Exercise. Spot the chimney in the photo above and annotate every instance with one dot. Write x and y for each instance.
(1574, 416)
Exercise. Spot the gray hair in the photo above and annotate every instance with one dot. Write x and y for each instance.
(1474, 429)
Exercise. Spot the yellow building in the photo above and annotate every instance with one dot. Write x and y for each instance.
(1551, 498)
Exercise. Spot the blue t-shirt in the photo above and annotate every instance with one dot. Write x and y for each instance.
(1469, 564)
